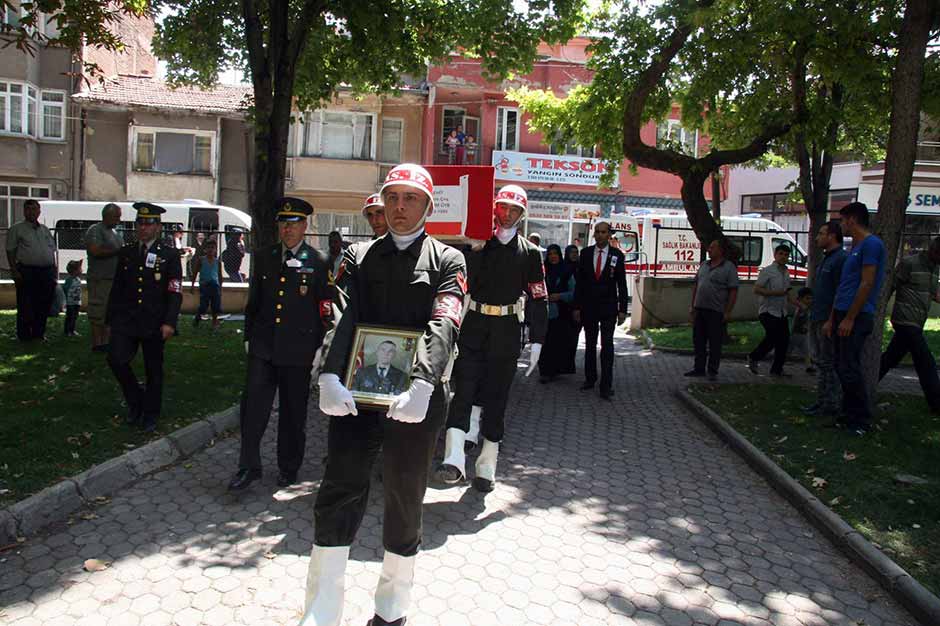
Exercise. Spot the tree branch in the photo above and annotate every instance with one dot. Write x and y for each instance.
(646, 82)
(716, 158)
(300, 34)
(257, 57)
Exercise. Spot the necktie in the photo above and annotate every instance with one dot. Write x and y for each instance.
(597, 268)
(382, 372)
(288, 255)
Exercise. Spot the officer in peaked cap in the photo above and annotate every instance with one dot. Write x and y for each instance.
(287, 315)
(142, 311)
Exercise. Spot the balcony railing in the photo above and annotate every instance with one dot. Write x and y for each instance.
(458, 155)
(928, 151)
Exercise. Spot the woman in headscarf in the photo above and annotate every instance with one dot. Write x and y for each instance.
(559, 278)
(574, 328)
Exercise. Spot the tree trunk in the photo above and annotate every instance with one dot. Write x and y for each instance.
(906, 87)
(270, 165)
(696, 207)
(716, 196)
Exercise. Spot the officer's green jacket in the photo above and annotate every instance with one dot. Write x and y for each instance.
(289, 309)
(147, 291)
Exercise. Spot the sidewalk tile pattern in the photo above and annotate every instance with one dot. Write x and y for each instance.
(626, 513)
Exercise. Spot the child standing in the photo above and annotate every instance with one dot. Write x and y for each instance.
(208, 269)
(73, 296)
(799, 335)
(452, 142)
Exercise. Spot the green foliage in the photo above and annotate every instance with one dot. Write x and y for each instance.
(79, 23)
(63, 411)
(734, 75)
(365, 46)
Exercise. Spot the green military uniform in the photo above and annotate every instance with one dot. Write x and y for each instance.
(146, 294)
(287, 315)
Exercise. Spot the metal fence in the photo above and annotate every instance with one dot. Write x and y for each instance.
(234, 247)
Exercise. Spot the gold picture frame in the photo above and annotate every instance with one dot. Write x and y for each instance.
(380, 364)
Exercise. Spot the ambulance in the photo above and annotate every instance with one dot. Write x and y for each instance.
(664, 244)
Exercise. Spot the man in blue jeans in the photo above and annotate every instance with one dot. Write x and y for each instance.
(853, 313)
(825, 285)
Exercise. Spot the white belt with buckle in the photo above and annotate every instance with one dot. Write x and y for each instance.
(495, 310)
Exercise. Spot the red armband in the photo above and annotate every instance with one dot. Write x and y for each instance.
(447, 306)
(326, 309)
(538, 290)
(174, 285)
(462, 282)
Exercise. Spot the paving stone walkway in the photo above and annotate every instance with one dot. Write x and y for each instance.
(629, 512)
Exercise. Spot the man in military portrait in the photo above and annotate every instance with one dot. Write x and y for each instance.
(381, 377)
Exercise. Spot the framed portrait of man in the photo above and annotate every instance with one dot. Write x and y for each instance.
(380, 364)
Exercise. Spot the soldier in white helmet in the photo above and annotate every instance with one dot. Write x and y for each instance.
(374, 212)
(502, 273)
(405, 279)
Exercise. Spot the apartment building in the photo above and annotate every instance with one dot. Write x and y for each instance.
(340, 153)
(562, 181)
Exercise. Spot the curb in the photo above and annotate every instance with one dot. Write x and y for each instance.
(56, 503)
(924, 605)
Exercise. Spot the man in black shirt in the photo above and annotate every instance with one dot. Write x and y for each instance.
(505, 271)
(408, 280)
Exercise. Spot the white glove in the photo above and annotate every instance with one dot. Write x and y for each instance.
(334, 398)
(412, 405)
(534, 352)
(246, 347)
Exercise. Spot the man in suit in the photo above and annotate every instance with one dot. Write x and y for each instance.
(143, 307)
(600, 301)
(287, 315)
(382, 377)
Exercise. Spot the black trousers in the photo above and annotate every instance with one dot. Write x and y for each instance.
(606, 326)
(911, 339)
(708, 330)
(71, 317)
(776, 338)
(489, 349)
(121, 351)
(552, 360)
(856, 399)
(407, 451)
(293, 386)
(35, 293)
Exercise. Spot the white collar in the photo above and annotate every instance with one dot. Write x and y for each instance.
(403, 241)
(505, 235)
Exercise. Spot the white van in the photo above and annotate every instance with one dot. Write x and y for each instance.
(69, 221)
(664, 244)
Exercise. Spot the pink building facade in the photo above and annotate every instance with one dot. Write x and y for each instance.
(561, 180)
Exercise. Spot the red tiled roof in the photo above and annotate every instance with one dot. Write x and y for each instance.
(149, 92)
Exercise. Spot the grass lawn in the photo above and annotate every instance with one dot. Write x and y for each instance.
(746, 335)
(62, 411)
(853, 476)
